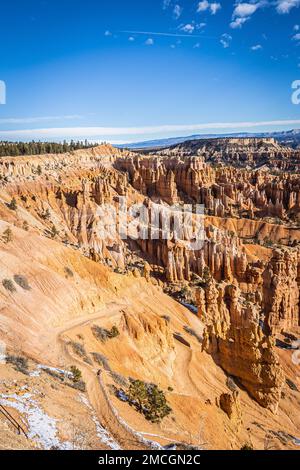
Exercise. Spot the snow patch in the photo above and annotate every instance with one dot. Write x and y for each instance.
(102, 433)
(41, 427)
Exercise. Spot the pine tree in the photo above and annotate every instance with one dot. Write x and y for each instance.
(7, 235)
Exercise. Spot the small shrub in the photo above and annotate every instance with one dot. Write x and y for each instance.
(119, 379)
(292, 385)
(102, 361)
(80, 385)
(68, 272)
(103, 334)
(7, 235)
(46, 215)
(22, 281)
(80, 351)
(9, 285)
(247, 446)
(76, 374)
(20, 363)
(166, 318)
(25, 226)
(192, 332)
(54, 232)
(13, 204)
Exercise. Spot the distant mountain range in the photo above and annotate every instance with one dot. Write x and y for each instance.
(290, 138)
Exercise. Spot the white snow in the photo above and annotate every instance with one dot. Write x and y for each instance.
(41, 427)
(102, 433)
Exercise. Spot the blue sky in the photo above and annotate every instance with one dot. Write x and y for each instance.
(123, 71)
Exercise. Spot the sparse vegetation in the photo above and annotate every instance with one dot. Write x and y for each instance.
(9, 285)
(292, 385)
(54, 232)
(166, 318)
(15, 149)
(13, 204)
(68, 272)
(7, 235)
(192, 332)
(79, 349)
(25, 225)
(102, 334)
(22, 281)
(77, 381)
(20, 363)
(147, 399)
(102, 361)
(247, 446)
(76, 374)
(46, 214)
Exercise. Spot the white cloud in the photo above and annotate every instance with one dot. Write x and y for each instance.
(188, 28)
(166, 4)
(201, 25)
(238, 22)
(32, 120)
(225, 40)
(207, 6)
(107, 33)
(296, 27)
(214, 7)
(197, 45)
(296, 37)
(245, 9)
(177, 11)
(257, 47)
(101, 132)
(131, 39)
(149, 42)
(285, 6)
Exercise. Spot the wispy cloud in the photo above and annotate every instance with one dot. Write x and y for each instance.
(171, 35)
(149, 42)
(187, 28)
(177, 11)
(285, 6)
(33, 120)
(225, 40)
(244, 10)
(212, 7)
(257, 47)
(97, 132)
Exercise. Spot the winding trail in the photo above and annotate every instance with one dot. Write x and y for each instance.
(127, 438)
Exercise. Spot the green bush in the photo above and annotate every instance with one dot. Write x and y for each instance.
(13, 204)
(7, 235)
(103, 334)
(20, 363)
(22, 281)
(76, 374)
(149, 400)
(9, 285)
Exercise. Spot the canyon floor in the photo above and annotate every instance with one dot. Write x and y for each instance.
(216, 328)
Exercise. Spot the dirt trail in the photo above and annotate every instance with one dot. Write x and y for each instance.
(95, 392)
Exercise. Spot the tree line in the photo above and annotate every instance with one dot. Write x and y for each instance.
(14, 149)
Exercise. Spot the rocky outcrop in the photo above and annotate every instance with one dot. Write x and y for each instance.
(231, 405)
(235, 338)
(281, 291)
